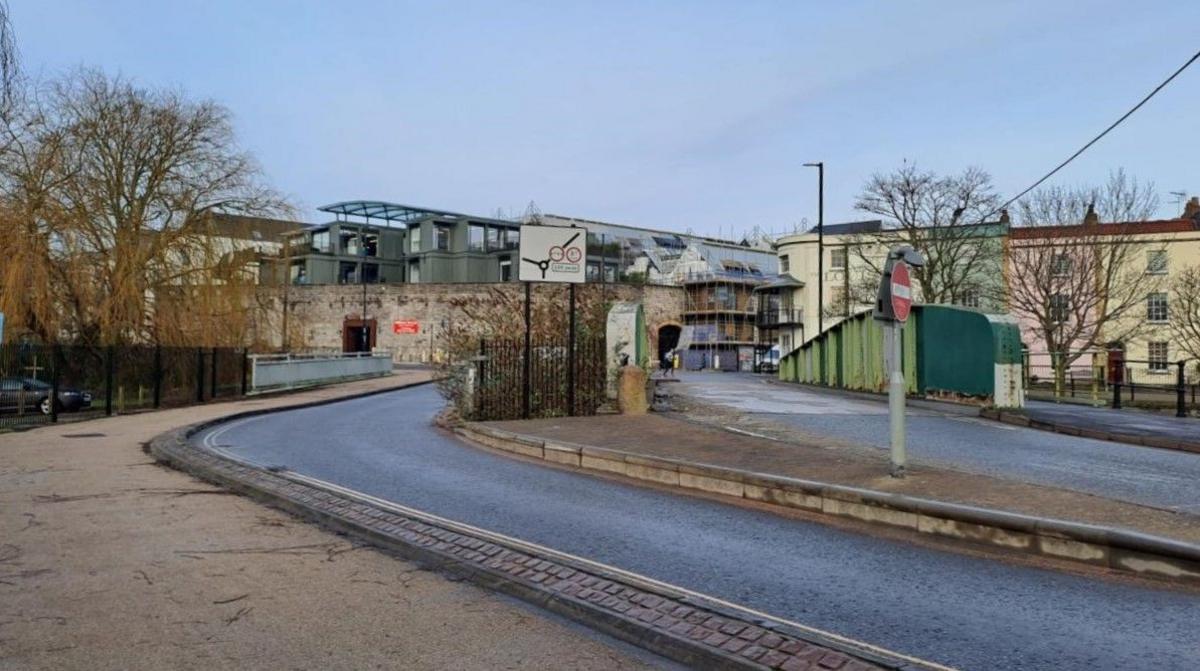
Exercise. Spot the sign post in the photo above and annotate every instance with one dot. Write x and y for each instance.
(892, 306)
(551, 254)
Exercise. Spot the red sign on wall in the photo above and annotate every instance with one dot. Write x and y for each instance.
(406, 327)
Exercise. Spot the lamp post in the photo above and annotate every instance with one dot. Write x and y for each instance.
(820, 166)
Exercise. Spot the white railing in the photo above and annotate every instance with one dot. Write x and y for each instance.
(286, 371)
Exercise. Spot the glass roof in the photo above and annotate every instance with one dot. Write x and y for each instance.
(378, 209)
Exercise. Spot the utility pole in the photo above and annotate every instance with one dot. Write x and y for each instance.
(820, 166)
(362, 279)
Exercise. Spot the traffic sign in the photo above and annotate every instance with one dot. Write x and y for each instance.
(901, 291)
(406, 327)
(553, 254)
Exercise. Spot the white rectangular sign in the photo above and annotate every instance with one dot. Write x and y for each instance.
(553, 254)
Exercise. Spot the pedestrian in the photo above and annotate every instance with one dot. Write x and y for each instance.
(668, 363)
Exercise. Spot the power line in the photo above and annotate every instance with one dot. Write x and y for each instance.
(1096, 139)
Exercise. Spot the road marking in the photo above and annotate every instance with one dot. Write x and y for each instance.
(633, 577)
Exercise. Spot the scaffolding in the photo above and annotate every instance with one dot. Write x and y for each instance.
(720, 315)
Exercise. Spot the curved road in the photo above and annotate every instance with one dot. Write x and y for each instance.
(1143, 475)
(958, 610)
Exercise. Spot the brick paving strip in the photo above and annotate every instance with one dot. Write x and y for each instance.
(682, 626)
(1098, 546)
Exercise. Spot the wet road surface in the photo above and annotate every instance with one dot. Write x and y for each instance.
(963, 611)
(950, 439)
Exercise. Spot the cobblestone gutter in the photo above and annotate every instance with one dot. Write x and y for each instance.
(680, 625)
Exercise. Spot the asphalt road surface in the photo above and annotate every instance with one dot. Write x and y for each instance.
(963, 611)
(1148, 476)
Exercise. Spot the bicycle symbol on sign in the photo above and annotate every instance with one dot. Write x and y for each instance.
(558, 254)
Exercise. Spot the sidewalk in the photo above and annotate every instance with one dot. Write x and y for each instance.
(110, 561)
(1122, 426)
(832, 462)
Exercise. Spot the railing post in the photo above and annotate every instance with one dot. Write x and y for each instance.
(245, 369)
(199, 374)
(1180, 403)
(158, 375)
(56, 357)
(108, 380)
(212, 378)
(1116, 400)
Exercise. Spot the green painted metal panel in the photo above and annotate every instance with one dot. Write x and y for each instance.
(957, 349)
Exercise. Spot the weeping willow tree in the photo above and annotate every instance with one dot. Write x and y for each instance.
(110, 193)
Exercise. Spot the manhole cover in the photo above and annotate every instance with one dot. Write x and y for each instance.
(84, 435)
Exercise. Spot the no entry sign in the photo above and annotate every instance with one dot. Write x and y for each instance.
(901, 291)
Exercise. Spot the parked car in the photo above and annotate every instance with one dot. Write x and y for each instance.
(24, 394)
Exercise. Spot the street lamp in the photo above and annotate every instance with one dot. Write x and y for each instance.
(820, 166)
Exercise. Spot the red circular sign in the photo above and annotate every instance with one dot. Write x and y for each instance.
(901, 291)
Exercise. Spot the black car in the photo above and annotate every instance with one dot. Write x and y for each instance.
(24, 394)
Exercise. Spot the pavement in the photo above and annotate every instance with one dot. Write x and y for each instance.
(944, 439)
(111, 561)
(953, 607)
(1121, 425)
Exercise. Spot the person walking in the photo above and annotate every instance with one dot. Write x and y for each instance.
(668, 363)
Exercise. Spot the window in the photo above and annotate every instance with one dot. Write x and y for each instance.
(370, 242)
(1156, 307)
(347, 272)
(512, 238)
(320, 241)
(443, 238)
(414, 272)
(784, 266)
(1157, 354)
(837, 259)
(414, 239)
(298, 273)
(969, 298)
(505, 269)
(348, 242)
(475, 238)
(1156, 262)
(1060, 265)
(493, 237)
(722, 297)
(610, 272)
(370, 273)
(593, 272)
(785, 343)
(1060, 308)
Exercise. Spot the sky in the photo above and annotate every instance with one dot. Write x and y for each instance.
(689, 116)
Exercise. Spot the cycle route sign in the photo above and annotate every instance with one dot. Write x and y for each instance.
(553, 254)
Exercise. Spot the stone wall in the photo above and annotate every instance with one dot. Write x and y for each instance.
(316, 313)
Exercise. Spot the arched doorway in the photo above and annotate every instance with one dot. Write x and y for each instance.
(668, 338)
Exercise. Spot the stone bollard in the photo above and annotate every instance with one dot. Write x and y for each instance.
(631, 391)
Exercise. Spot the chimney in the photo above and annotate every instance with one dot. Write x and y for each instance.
(1191, 209)
(1004, 218)
(1091, 218)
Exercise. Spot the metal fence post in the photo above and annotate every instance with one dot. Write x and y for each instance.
(1116, 401)
(212, 379)
(479, 406)
(199, 374)
(56, 372)
(108, 380)
(1180, 402)
(528, 363)
(158, 375)
(571, 353)
(245, 369)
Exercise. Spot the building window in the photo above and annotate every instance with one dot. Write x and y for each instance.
(298, 273)
(1157, 354)
(414, 239)
(443, 238)
(475, 238)
(320, 242)
(1060, 265)
(1156, 262)
(785, 343)
(969, 298)
(1060, 308)
(610, 272)
(784, 265)
(512, 238)
(414, 272)
(837, 259)
(493, 237)
(346, 272)
(370, 243)
(593, 271)
(348, 242)
(505, 269)
(1156, 307)
(370, 273)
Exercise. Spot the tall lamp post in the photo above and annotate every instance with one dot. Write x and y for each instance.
(820, 166)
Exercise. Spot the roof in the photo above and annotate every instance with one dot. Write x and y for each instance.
(781, 282)
(867, 226)
(657, 231)
(244, 227)
(1117, 228)
(378, 209)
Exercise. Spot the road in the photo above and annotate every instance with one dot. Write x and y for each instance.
(964, 442)
(964, 611)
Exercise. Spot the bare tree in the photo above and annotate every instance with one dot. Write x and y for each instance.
(1079, 281)
(938, 216)
(107, 188)
(1185, 310)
